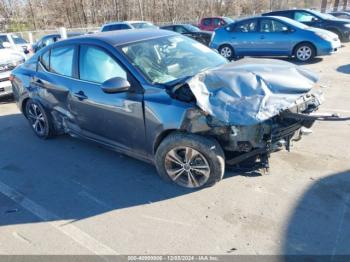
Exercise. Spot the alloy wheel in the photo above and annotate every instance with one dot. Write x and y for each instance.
(37, 119)
(304, 53)
(226, 52)
(187, 167)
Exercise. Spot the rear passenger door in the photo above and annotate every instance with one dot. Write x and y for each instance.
(245, 37)
(54, 78)
(115, 119)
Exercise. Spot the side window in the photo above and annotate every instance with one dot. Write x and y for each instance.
(61, 60)
(272, 26)
(45, 60)
(123, 26)
(207, 21)
(95, 65)
(247, 26)
(180, 29)
(113, 27)
(217, 21)
(3, 39)
(301, 16)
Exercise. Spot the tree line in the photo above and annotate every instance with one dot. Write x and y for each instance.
(22, 15)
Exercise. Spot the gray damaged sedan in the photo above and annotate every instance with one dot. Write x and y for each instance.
(169, 100)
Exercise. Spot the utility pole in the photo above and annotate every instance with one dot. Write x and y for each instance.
(324, 6)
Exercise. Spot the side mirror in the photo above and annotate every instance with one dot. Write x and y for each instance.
(115, 85)
(6, 44)
(314, 19)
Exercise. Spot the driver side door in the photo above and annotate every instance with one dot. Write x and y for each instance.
(113, 119)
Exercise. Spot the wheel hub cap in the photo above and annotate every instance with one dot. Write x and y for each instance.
(187, 167)
(37, 119)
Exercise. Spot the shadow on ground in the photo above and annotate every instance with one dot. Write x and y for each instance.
(71, 178)
(320, 222)
(292, 60)
(345, 69)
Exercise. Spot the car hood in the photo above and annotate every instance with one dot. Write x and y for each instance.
(250, 91)
(9, 56)
(323, 31)
(339, 21)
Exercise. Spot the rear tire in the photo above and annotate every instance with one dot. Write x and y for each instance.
(304, 52)
(190, 160)
(40, 121)
(227, 51)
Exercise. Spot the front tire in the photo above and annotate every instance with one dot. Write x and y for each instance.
(304, 52)
(227, 51)
(39, 120)
(190, 160)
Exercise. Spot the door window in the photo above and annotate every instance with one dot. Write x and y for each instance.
(272, 26)
(247, 26)
(301, 16)
(218, 22)
(45, 60)
(180, 29)
(207, 21)
(95, 65)
(61, 60)
(3, 38)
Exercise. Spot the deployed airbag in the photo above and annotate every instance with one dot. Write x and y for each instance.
(250, 91)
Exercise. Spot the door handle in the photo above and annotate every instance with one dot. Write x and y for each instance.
(262, 37)
(80, 95)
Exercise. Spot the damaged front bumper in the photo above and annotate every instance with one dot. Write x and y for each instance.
(259, 141)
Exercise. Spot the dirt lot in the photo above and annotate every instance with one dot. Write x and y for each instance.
(66, 196)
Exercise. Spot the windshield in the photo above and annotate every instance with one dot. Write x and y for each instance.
(18, 40)
(192, 28)
(166, 59)
(143, 25)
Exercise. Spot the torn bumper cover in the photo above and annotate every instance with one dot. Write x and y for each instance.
(259, 102)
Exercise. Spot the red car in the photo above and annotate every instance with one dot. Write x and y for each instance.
(211, 23)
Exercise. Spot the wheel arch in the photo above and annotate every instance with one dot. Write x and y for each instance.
(161, 137)
(304, 42)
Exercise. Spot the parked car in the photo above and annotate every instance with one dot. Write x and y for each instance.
(341, 14)
(211, 23)
(313, 18)
(9, 59)
(49, 39)
(127, 25)
(273, 36)
(15, 42)
(163, 98)
(190, 31)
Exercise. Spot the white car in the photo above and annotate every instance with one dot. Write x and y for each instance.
(127, 25)
(15, 42)
(9, 59)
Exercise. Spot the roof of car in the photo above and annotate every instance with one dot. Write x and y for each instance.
(124, 22)
(121, 37)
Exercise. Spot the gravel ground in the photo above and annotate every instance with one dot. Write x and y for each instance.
(66, 196)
